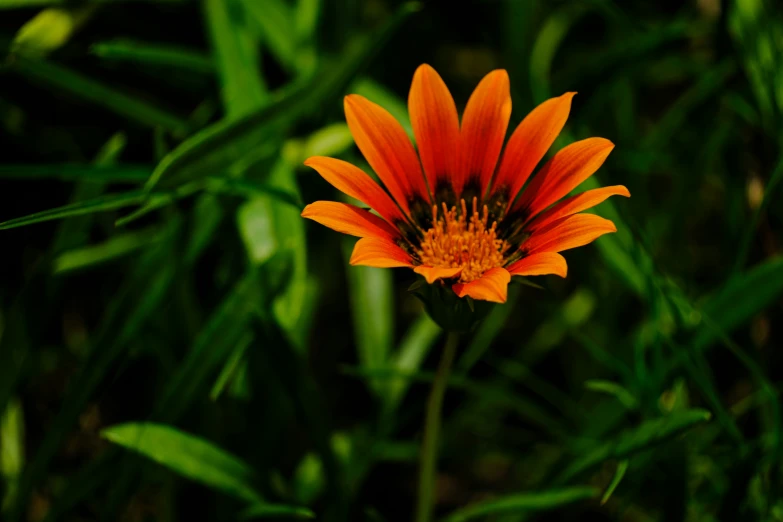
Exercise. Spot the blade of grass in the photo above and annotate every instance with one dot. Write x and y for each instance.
(188, 455)
(372, 306)
(157, 54)
(487, 331)
(524, 503)
(275, 22)
(236, 49)
(647, 434)
(74, 232)
(103, 203)
(75, 172)
(62, 79)
(114, 248)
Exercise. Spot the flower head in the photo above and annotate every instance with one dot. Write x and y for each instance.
(456, 211)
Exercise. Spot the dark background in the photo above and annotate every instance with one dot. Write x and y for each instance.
(218, 311)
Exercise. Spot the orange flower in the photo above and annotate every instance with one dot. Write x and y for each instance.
(456, 212)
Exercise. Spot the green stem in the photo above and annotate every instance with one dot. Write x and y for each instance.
(429, 448)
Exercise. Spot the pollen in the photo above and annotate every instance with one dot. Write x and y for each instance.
(459, 239)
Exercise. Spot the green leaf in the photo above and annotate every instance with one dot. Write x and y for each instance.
(372, 307)
(275, 21)
(331, 140)
(256, 226)
(551, 34)
(236, 52)
(647, 434)
(62, 79)
(487, 331)
(614, 389)
(113, 248)
(293, 305)
(157, 54)
(103, 203)
(218, 148)
(81, 173)
(619, 473)
(252, 189)
(189, 456)
(413, 349)
(525, 503)
(274, 510)
(218, 339)
(740, 299)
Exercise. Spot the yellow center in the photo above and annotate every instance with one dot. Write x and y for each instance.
(458, 241)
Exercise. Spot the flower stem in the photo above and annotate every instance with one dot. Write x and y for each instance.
(429, 448)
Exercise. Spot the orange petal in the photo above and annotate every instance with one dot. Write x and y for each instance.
(387, 149)
(483, 130)
(530, 142)
(349, 219)
(435, 125)
(492, 286)
(433, 273)
(380, 253)
(567, 169)
(543, 263)
(568, 232)
(575, 204)
(351, 180)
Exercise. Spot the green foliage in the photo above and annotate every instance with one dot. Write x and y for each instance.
(177, 343)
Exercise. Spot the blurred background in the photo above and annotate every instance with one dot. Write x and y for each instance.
(176, 343)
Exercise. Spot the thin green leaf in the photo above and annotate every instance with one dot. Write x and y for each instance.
(525, 503)
(372, 306)
(116, 247)
(63, 79)
(249, 188)
(619, 473)
(645, 435)
(487, 331)
(275, 510)
(190, 456)
(231, 368)
(104, 203)
(157, 54)
(412, 351)
(550, 35)
(275, 21)
(740, 299)
(236, 53)
(75, 232)
(81, 173)
(614, 389)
